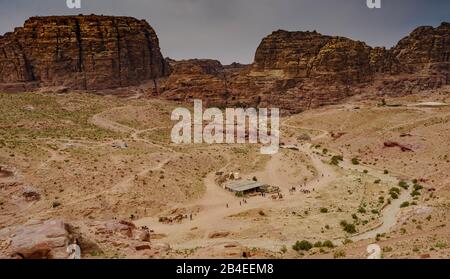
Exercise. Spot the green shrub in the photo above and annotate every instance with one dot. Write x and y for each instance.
(395, 190)
(302, 246)
(328, 244)
(415, 193)
(339, 254)
(347, 227)
(403, 185)
(405, 204)
(318, 244)
(336, 159)
(324, 210)
(355, 161)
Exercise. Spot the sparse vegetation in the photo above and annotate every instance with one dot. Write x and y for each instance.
(336, 159)
(394, 192)
(348, 227)
(339, 254)
(302, 246)
(403, 185)
(328, 244)
(404, 204)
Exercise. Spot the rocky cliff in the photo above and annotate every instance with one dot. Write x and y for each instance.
(300, 70)
(80, 52)
(292, 70)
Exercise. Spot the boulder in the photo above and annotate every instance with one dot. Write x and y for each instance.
(41, 239)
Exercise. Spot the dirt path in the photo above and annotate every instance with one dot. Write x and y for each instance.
(101, 121)
(212, 210)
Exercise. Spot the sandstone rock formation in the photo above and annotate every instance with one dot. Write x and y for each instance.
(80, 52)
(41, 239)
(193, 78)
(292, 70)
(426, 48)
(300, 70)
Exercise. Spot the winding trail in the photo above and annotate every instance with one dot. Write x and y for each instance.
(212, 209)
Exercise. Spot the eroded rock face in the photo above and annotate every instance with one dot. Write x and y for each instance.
(288, 54)
(296, 71)
(191, 79)
(41, 239)
(80, 52)
(426, 48)
(293, 71)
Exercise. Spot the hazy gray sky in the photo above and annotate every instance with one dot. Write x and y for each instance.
(230, 30)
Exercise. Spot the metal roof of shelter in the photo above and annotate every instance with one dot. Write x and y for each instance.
(242, 186)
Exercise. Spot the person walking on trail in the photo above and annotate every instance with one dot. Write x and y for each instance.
(74, 251)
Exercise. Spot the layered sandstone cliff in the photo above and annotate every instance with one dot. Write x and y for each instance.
(292, 70)
(80, 52)
(300, 70)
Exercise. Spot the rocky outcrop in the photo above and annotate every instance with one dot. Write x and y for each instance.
(312, 55)
(80, 52)
(292, 70)
(301, 70)
(195, 78)
(41, 239)
(426, 48)
(288, 54)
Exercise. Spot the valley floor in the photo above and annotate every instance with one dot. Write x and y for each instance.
(95, 160)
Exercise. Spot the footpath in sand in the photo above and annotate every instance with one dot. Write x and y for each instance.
(218, 204)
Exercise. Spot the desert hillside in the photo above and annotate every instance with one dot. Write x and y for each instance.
(86, 152)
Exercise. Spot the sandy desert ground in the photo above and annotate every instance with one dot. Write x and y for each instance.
(94, 160)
